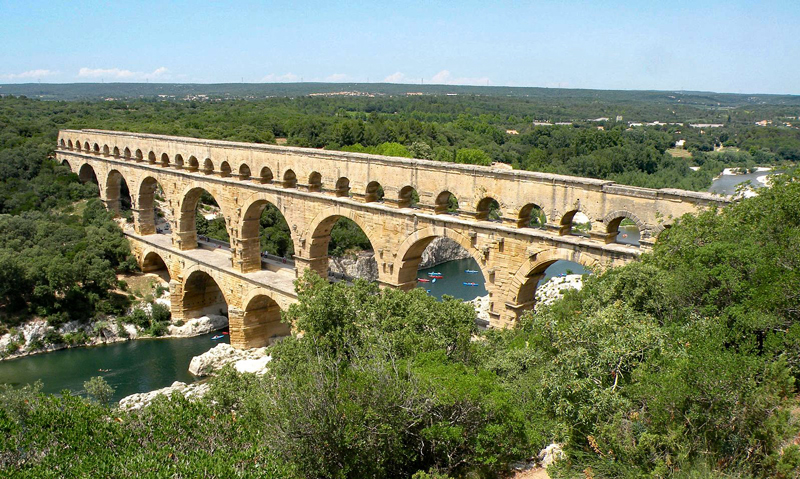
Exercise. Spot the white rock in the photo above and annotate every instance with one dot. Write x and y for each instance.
(555, 288)
(137, 401)
(481, 305)
(198, 326)
(216, 358)
(551, 454)
(255, 366)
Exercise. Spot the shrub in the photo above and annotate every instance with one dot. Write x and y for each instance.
(99, 389)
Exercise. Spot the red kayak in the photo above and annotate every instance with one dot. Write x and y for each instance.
(423, 280)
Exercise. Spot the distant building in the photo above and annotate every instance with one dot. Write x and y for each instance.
(512, 132)
(680, 143)
(564, 123)
(602, 118)
(706, 125)
(764, 122)
(542, 123)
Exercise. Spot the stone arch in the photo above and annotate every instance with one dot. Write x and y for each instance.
(115, 193)
(194, 165)
(64, 162)
(151, 157)
(164, 160)
(153, 262)
(374, 192)
(315, 182)
(145, 202)
(178, 163)
(409, 254)
(250, 233)
(522, 288)
(86, 147)
(289, 179)
(260, 321)
(87, 174)
(407, 197)
(208, 166)
(202, 293)
(126, 153)
(318, 236)
(567, 221)
(62, 143)
(529, 213)
(343, 186)
(96, 149)
(115, 152)
(224, 169)
(139, 155)
(187, 216)
(244, 172)
(265, 176)
(488, 209)
(106, 151)
(78, 145)
(613, 220)
(658, 230)
(69, 144)
(445, 202)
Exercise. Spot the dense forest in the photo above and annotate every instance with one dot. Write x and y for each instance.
(684, 364)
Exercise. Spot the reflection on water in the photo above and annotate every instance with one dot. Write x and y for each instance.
(130, 367)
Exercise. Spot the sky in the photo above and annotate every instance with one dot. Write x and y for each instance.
(736, 46)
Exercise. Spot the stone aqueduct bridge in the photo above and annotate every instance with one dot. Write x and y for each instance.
(313, 188)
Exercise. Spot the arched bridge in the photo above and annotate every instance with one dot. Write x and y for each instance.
(401, 205)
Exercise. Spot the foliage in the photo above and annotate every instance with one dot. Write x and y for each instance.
(99, 389)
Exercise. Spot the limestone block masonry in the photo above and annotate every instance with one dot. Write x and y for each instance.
(313, 188)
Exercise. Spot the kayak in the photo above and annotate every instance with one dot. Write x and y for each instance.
(471, 271)
(437, 276)
(423, 280)
(218, 336)
(470, 284)
(434, 273)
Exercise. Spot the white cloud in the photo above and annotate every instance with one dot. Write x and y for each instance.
(287, 77)
(336, 77)
(119, 74)
(444, 77)
(396, 77)
(29, 75)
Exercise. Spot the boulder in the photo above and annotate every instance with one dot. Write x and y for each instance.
(555, 288)
(138, 401)
(551, 454)
(218, 357)
(198, 326)
(442, 250)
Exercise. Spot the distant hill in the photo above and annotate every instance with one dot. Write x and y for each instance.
(182, 91)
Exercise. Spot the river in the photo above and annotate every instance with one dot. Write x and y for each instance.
(130, 367)
(726, 183)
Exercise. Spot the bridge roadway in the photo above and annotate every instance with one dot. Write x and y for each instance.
(312, 189)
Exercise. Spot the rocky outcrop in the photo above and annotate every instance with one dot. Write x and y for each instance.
(198, 326)
(481, 305)
(138, 401)
(244, 360)
(32, 337)
(555, 288)
(362, 265)
(442, 250)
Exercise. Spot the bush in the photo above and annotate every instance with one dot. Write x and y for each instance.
(99, 389)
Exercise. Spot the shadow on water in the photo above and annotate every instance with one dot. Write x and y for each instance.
(130, 367)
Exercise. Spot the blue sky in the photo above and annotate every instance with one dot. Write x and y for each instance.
(732, 46)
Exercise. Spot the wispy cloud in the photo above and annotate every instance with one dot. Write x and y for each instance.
(336, 77)
(120, 74)
(286, 77)
(396, 77)
(444, 77)
(29, 75)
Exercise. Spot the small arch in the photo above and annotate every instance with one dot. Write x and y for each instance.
(96, 149)
(178, 163)
(224, 169)
(315, 182)
(343, 186)
(116, 152)
(70, 145)
(126, 153)
(289, 179)
(408, 197)
(62, 143)
(623, 227)
(106, 151)
(194, 165)
(446, 203)
(265, 176)
(86, 147)
(261, 323)
(208, 166)
(139, 155)
(488, 209)
(151, 157)
(78, 145)
(244, 172)
(164, 160)
(531, 216)
(374, 192)
(576, 223)
(152, 262)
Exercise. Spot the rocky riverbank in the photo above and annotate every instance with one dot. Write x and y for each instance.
(546, 294)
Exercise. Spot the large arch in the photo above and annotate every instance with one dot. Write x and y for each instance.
(260, 322)
(87, 175)
(250, 232)
(409, 254)
(202, 294)
(187, 219)
(522, 289)
(118, 195)
(153, 262)
(145, 202)
(318, 236)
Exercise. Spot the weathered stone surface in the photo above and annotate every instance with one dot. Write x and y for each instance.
(198, 326)
(140, 400)
(551, 454)
(223, 354)
(442, 250)
(314, 188)
(362, 265)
